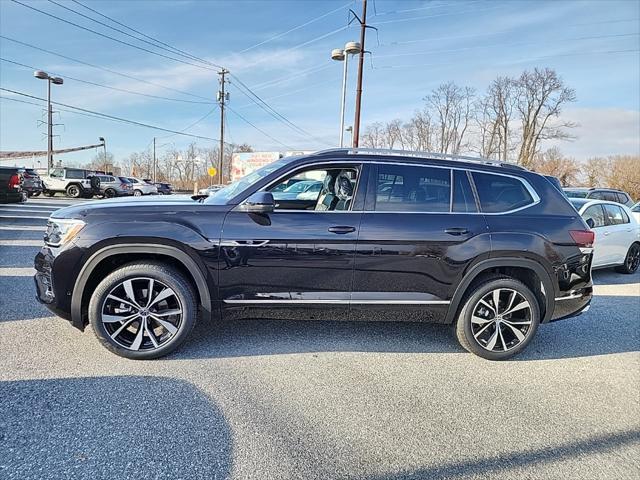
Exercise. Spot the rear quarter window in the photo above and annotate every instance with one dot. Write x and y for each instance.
(498, 193)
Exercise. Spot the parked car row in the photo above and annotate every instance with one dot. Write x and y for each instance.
(19, 183)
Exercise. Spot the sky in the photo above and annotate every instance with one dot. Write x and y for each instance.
(281, 50)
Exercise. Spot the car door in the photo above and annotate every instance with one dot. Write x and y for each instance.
(296, 262)
(56, 181)
(419, 231)
(603, 251)
(621, 234)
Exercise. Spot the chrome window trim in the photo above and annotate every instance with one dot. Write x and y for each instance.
(527, 185)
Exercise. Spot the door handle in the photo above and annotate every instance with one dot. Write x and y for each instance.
(456, 231)
(342, 229)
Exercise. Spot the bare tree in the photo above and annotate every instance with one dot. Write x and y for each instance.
(541, 96)
(594, 171)
(552, 162)
(623, 172)
(452, 108)
(373, 136)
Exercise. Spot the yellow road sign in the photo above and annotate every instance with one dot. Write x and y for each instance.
(212, 171)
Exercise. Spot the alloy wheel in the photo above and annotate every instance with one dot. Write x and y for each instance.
(633, 258)
(141, 314)
(137, 193)
(501, 320)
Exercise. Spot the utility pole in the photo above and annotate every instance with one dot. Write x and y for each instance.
(222, 98)
(363, 30)
(154, 159)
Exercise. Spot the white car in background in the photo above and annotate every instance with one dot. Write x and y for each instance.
(636, 211)
(140, 187)
(617, 241)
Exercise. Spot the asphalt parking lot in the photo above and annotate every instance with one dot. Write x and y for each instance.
(312, 400)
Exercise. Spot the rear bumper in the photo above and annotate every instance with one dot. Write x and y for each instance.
(572, 304)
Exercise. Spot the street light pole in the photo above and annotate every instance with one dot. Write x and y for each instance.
(154, 160)
(104, 146)
(57, 81)
(340, 55)
(49, 128)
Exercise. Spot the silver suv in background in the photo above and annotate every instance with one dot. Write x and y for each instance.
(112, 186)
(607, 194)
(140, 187)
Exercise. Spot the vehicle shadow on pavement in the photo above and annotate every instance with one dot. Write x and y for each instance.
(609, 327)
(502, 464)
(111, 427)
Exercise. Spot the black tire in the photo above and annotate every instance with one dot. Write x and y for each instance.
(137, 193)
(35, 194)
(29, 194)
(110, 193)
(74, 191)
(95, 183)
(162, 274)
(48, 193)
(472, 302)
(631, 261)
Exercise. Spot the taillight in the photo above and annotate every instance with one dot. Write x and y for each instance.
(14, 181)
(583, 238)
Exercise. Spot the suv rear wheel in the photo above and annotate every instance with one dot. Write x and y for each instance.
(73, 191)
(137, 193)
(499, 317)
(143, 310)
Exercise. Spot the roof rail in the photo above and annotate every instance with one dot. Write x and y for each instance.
(416, 154)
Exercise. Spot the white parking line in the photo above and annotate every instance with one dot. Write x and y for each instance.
(26, 228)
(21, 243)
(3, 209)
(17, 272)
(24, 216)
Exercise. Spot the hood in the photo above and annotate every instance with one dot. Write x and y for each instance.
(131, 204)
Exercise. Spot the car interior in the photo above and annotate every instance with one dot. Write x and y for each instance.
(336, 193)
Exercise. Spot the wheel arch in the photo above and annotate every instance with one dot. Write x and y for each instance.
(90, 274)
(524, 269)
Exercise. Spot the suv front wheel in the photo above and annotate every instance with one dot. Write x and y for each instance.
(143, 310)
(498, 319)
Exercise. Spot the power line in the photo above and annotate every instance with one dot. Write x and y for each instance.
(270, 110)
(413, 65)
(67, 77)
(259, 129)
(98, 67)
(205, 116)
(285, 78)
(423, 17)
(155, 42)
(309, 22)
(429, 7)
(493, 33)
(109, 37)
(535, 42)
(111, 117)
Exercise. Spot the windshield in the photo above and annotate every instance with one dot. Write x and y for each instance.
(636, 207)
(576, 193)
(225, 194)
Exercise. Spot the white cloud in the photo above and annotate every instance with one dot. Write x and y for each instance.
(601, 131)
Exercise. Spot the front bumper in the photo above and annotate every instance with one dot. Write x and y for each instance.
(55, 273)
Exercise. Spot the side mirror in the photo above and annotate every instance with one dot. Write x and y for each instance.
(591, 223)
(259, 202)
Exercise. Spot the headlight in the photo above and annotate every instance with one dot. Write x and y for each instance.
(61, 231)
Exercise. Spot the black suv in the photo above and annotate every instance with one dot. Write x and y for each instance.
(492, 248)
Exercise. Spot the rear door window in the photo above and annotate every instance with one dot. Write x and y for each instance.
(75, 174)
(499, 194)
(615, 215)
(622, 198)
(406, 188)
(595, 213)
